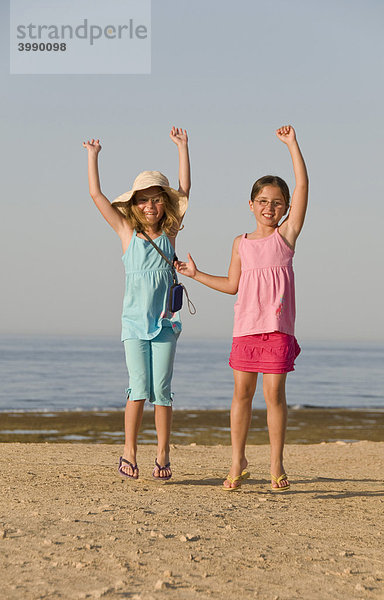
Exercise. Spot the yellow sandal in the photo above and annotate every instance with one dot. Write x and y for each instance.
(277, 480)
(240, 478)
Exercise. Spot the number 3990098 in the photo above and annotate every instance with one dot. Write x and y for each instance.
(42, 47)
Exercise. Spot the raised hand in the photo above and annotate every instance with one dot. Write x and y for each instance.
(178, 136)
(92, 146)
(286, 134)
(290, 228)
(186, 268)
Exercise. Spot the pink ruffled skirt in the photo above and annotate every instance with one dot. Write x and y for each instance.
(264, 353)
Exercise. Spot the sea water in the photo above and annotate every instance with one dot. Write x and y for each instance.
(89, 373)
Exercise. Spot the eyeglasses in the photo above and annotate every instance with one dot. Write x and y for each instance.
(274, 203)
(154, 199)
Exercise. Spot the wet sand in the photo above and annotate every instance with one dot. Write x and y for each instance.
(71, 528)
(208, 427)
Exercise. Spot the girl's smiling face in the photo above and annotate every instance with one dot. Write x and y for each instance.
(269, 205)
(151, 202)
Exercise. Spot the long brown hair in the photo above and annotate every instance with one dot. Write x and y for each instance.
(271, 180)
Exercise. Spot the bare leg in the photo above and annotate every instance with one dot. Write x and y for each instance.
(133, 418)
(163, 422)
(241, 415)
(274, 394)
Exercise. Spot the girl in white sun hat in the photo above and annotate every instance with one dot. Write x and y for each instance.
(149, 330)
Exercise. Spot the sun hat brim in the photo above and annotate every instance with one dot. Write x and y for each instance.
(149, 179)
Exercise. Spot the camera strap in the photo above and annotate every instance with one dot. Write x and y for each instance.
(191, 306)
(163, 255)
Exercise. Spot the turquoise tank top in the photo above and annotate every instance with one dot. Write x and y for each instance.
(148, 279)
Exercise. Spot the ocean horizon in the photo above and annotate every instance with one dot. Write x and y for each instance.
(66, 373)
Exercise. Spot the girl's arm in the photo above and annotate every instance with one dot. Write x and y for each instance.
(228, 285)
(180, 138)
(109, 212)
(292, 225)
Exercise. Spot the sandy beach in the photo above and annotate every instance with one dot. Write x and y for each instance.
(72, 528)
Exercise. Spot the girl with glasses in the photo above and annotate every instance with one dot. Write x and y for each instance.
(261, 274)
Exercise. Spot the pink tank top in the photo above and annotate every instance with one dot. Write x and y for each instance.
(266, 295)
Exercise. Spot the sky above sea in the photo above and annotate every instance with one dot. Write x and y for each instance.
(230, 73)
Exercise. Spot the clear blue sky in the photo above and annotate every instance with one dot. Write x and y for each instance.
(230, 73)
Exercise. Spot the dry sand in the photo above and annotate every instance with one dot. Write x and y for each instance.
(72, 528)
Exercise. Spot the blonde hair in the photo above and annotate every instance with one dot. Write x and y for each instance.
(169, 222)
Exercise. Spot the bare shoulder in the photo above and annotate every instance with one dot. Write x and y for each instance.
(235, 247)
(236, 242)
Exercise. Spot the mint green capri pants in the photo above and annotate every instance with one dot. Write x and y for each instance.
(150, 367)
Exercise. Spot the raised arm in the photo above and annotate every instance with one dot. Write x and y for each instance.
(180, 138)
(292, 225)
(228, 285)
(109, 212)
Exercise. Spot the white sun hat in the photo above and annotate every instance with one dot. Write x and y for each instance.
(147, 179)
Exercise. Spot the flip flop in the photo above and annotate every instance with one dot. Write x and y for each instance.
(277, 480)
(157, 466)
(133, 467)
(233, 480)
(240, 478)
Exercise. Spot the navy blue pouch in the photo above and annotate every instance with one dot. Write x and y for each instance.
(175, 297)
